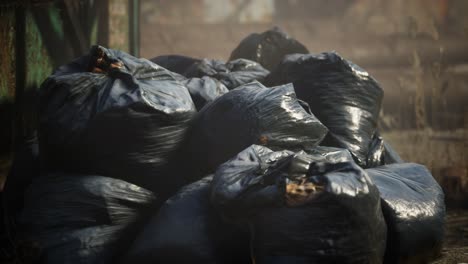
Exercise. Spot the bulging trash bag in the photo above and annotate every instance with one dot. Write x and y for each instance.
(124, 119)
(414, 209)
(302, 208)
(381, 153)
(175, 63)
(187, 229)
(344, 97)
(251, 114)
(82, 218)
(232, 74)
(204, 90)
(267, 48)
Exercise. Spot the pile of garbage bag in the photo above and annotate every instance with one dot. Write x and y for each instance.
(271, 157)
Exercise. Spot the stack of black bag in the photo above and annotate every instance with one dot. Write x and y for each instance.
(185, 160)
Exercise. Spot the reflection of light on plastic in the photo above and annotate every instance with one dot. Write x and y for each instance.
(358, 70)
(286, 105)
(351, 188)
(356, 116)
(259, 52)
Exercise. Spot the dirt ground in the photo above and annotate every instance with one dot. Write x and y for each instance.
(456, 238)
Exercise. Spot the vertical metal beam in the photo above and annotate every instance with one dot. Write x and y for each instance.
(20, 68)
(134, 27)
(58, 48)
(103, 23)
(72, 17)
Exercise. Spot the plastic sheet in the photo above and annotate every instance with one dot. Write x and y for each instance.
(251, 114)
(81, 218)
(414, 210)
(187, 229)
(232, 74)
(204, 90)
(110, 108)
(267, 48)
(381, 153)
(302, 208)
(344, 97)
(391, 156)
(175, 63)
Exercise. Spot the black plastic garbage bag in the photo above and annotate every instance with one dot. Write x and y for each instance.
(204, 90)
(344, 97)
(381, 153)
(414, 209)
(390, 155)
(124, 119)
(187, 229)
(175, 63)
(82, 218)
(302, 208)
(329, 154)
(267, 48)
(232, 74)
(251, 114)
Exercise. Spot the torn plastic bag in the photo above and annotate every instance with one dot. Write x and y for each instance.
(344, 97)
(251, 114)
(187, 229)
(267, 48)
(175, 63)
(232, 74)
(381, 153)
(124, 119)
(204, 90)
(82, 218)
(414, 209)
(302, 208)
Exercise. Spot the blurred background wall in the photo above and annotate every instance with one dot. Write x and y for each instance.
(416, 49)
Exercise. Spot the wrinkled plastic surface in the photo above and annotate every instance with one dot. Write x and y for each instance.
(344, 97)
(381, 153)
(82, 218)
(251, 114)
(232, 74)
(414, 209)
(134, 116)
(267, 48)
(339, 221)
(390, 155)
(175, 63)
(204, 90)
(187, 229)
